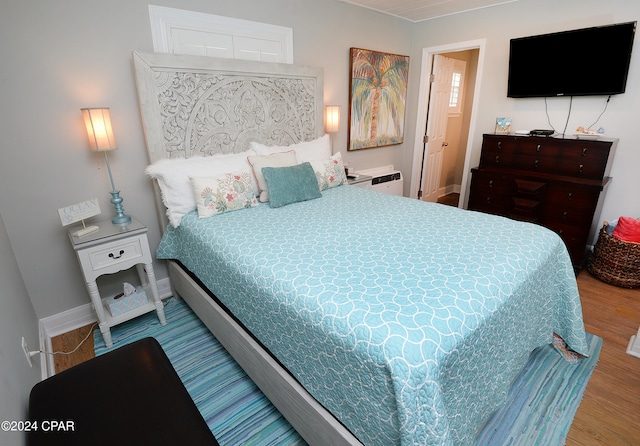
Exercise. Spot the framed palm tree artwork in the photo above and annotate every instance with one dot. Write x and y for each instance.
(377, 98)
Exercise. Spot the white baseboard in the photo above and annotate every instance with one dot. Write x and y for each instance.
(449, 189)
(72, 319)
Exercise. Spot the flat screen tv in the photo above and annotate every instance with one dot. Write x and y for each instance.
(582, 62)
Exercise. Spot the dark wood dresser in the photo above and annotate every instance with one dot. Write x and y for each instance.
(557, 182)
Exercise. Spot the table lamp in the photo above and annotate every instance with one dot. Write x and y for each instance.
(332, 120)
(101, 139)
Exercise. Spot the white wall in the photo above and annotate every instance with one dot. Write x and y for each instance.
(61, 56)
(529, 17)
(17, 319)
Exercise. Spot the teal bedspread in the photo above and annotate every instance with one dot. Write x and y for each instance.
(407, 320)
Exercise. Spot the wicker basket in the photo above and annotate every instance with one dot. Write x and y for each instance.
(615, 261)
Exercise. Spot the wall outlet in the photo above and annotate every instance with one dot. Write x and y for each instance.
(27, 353)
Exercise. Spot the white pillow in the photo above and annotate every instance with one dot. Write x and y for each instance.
(278, 159)
(318, 149)
(173, 175)
(224, 193)
(329, 172)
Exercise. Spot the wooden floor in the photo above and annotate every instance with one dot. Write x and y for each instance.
(610, 410)
(451, 199)
(609, 414)
(68, 342)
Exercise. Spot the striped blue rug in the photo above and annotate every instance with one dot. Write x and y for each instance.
(543, 399)
(236, 411)
(541, 406)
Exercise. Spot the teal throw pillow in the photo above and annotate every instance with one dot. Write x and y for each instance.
(291, 184)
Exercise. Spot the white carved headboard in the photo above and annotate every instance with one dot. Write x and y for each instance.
(197, 106)
(193, 105)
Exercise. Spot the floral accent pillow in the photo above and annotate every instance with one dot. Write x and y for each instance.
(172, 176)
(224, 193)
(330, 172)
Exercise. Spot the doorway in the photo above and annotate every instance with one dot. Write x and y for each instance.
(441, 164)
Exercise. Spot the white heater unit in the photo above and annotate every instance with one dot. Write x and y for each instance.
(384, 179)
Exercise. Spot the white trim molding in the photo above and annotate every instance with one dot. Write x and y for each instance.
(423, 107)
(164, 20)
(73, 319)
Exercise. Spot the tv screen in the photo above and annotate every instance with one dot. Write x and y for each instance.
(590, 61)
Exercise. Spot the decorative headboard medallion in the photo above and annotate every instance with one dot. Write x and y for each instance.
(196, 106)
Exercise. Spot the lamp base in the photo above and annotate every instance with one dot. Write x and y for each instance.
(120, 217)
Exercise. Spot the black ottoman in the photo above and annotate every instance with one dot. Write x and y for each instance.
(129, 396)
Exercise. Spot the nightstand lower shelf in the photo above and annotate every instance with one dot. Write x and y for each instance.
(111, 321)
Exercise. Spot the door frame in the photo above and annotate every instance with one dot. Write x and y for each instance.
(423, 111)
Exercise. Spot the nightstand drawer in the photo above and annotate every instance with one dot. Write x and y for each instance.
(118, 252)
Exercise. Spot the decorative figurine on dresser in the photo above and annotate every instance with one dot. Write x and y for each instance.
(557, 182)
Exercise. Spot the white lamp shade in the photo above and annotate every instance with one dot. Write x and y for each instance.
(99, 130)
(332, 118)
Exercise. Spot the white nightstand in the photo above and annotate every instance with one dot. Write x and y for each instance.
(111, 249)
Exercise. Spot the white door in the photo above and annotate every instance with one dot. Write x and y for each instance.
(436, 126)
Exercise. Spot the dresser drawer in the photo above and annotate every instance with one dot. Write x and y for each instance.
(574, 237)
(490, 203)
(533, 163)
(498, 151)
(539, 147)
(566, 215)
(590, 151)
(590, 165)
(491, 158)
(492, 182)
(584, 159)
(529, 188)
(104, 256)
(572, 196)
(499, 143)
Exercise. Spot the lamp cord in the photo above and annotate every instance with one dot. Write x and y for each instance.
(77, 347)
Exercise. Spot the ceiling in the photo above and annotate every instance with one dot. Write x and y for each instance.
(419, 10)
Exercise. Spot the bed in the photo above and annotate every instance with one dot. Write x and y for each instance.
(365, 318)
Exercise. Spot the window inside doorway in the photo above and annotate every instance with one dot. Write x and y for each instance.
(457, 87)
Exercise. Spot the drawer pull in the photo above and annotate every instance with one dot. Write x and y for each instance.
(538, 148)
(535, 163)
(564, 215)
(488, 200)
(499, 144)
(581, 168)
(569, 196)
(584, 152)
(497, 159)
(490, 183)
(116, 256)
